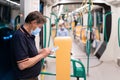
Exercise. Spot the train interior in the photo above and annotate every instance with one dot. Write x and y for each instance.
(89, 52)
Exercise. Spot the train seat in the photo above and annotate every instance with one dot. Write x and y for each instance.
(83, 38)
(76, 32)
(73, 25)
(97, 34)
(78, 71)
(53, 33)
(63, 58)
(63, 61)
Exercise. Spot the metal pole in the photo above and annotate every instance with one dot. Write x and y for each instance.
(105, 33)
(88, 46)
(119, 31)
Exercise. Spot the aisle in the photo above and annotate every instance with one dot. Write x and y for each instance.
(97, 70)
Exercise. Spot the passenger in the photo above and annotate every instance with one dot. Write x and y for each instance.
(61, 19)
(75, 21)
(79, 19)
(53, 25)
(96, 40)
(62, 31)
(27, 57)
(94, 37)
(69, 19)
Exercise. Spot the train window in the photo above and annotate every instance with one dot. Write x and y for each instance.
(5, 12)
(99, 19)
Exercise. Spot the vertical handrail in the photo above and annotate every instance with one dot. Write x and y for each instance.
(49, 30)
(98, 23)
(119, 32)
(44, 45)
(105, 33)
(56, 21)
(49, 33)
(45, 35)
(89, 32)
(17, 21)
(44, 39)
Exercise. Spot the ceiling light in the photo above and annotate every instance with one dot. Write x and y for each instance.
(13, 2)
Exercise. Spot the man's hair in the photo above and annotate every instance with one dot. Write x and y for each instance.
(35, 15)
(61, 22)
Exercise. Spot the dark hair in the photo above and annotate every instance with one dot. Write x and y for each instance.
(35, 16)
(53, 25)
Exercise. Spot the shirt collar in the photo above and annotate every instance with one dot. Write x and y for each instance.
(28, 35)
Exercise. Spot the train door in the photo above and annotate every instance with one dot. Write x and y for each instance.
(107, 20)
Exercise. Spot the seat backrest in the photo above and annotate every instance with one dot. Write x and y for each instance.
(63, 57)
(77, 30)
(73, 25)
(53, 33)
(82, 35)
(78, 72)
(97, 34)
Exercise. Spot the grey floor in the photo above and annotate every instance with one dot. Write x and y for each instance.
(97, 70)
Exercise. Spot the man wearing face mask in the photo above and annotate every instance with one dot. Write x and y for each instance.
(26, 56)
(62, 31)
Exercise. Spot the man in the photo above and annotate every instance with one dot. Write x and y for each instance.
(62, 31)
(26, 56)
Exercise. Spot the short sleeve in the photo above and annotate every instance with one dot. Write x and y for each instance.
(20, 48)
(66, 31)
(58, 33)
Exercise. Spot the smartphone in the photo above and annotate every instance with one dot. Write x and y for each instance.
(54, 49)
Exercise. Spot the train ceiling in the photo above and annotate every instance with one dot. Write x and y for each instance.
(9, 2)
(18, 1)
(114, 2)
(51, 2)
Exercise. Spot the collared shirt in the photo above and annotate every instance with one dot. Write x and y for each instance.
(62, 32)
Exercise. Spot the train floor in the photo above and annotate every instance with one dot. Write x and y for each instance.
(98, 70)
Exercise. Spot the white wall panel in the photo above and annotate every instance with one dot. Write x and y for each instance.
(112, 49)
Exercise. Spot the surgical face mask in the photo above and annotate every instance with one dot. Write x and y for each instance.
(62, 28)
(36, 31)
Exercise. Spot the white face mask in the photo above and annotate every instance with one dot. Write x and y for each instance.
(36, 31)
(62, 28)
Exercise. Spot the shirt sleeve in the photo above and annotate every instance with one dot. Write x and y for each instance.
(66, 32)
(58, 33)
(20, 47)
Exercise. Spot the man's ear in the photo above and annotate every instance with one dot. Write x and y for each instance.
(34, 22)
